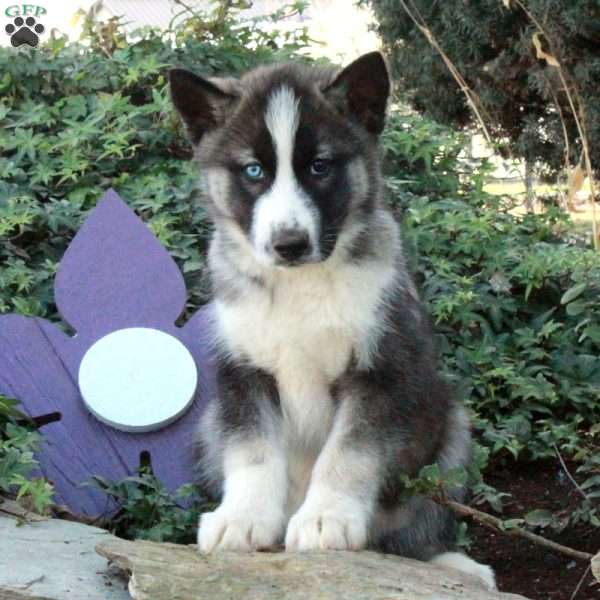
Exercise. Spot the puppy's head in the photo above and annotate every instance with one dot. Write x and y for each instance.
(287, 152)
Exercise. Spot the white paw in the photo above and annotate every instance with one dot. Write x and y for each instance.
(238, 530)
(326, 529)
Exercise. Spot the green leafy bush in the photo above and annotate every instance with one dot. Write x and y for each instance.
(516, 307)
(18, 443)
(146, 510)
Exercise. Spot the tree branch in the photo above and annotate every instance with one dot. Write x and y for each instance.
(496, 524)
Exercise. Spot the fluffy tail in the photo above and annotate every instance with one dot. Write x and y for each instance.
(461, 562)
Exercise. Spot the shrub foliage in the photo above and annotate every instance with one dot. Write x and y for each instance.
(18, 443)
(515, 305)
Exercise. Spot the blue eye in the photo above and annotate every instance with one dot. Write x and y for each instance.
(254, 171)
(320, 167)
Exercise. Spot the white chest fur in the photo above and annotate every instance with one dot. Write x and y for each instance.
(303, 327)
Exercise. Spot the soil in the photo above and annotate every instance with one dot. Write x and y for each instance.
(524, 568)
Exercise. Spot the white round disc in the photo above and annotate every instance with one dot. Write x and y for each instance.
(137, 379)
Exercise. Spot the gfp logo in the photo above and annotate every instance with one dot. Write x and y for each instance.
(24, 28)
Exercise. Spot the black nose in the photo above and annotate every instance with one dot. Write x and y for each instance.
(291, 245)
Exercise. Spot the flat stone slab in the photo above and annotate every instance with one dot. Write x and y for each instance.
(55, 560)
(174, 572)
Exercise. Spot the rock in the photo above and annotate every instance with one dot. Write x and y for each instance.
(596, 566)
(172, 572)
(52, 559)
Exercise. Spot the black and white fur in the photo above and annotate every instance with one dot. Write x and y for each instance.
(327, 384)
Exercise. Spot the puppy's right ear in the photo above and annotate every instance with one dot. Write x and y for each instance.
(201, 103)
(362, 90)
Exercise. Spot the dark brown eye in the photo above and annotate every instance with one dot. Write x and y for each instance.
(320, 167)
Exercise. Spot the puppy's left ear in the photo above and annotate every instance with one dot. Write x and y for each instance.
(362, 90)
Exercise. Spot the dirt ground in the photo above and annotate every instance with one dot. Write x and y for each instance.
(528, 569)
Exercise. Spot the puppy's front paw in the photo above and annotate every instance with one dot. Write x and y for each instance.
(326, 529)
(238, 530)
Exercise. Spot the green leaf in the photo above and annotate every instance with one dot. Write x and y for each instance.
(539, 518)
(573, 293)
(591, 482)
(511, 523)
(576, 308)
(592, 332)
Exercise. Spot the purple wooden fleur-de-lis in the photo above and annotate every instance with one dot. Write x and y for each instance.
(130, 380)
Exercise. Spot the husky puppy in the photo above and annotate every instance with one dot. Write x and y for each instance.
(327, 384)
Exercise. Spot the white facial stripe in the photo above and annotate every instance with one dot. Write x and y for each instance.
(284, 205)
(282, 119)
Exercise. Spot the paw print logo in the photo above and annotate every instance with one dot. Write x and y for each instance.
(130, 381)
(24, 31)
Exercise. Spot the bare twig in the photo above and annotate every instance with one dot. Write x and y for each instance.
(470, 95)
(567, 154)
(578, 116)
(568, 473)
(590, 174)
(187, 7)
(562, 123)
(497, 525)
(576, 590)
(223, 9)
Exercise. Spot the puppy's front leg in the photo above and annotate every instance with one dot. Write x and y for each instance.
(342, 493)
(252, 513)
